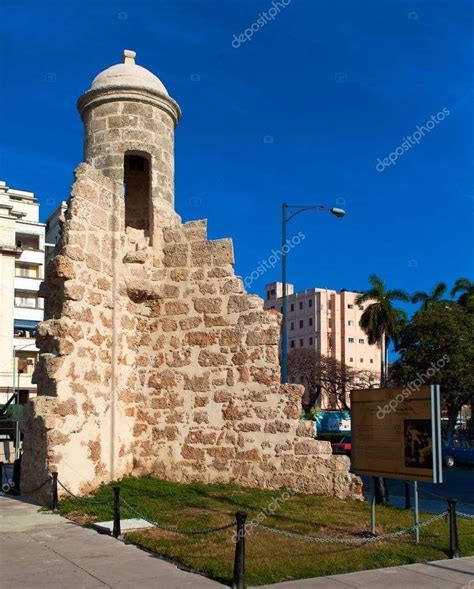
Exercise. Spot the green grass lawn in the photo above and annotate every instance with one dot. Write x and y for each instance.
(269, 558)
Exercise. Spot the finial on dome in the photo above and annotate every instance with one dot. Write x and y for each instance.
(129, 56)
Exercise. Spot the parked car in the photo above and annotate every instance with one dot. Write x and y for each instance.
(342, 447)
(458, 450)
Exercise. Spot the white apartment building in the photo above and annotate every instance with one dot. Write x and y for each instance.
(328, 322)
(53, 230)
(22, 247)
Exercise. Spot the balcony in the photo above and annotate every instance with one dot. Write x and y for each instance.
(28, 314)
(27, 284)
(33, 256)
(26, 341)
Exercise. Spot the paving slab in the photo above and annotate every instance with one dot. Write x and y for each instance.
(126, 525)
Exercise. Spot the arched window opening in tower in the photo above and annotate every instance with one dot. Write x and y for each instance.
(137, 191)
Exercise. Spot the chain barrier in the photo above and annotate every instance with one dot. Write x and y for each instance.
(352, 541)
(202, 531)
(38, 487)
(85, 500)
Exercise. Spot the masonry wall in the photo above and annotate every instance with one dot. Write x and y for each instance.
(158, 362)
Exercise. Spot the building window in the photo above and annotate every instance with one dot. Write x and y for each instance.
(351, 340)
(362, 359)
(137, 175)
(301, 343)
(351, 359)
(26, 299)
(310, 341)
(292, 343)
(310, 303)
(272, 292)
(26, 270)
(361, 307)
(268, 295)
(310, 321)
(349, 306)
(292, 307)
(26, 329)
(301, 323)
(350, 322)
(25, 364)
(361, 340)
(292, 325)
(27, 241)
(371, 361)
(301, 305)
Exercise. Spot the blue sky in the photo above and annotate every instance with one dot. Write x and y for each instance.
(300, 112)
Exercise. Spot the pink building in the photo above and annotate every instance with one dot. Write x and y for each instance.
(328, 322)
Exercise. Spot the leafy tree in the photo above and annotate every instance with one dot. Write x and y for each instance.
(427, 298)
(302, 369)
(440, 336)
(325, 377)
(381, 321)
(466, 288)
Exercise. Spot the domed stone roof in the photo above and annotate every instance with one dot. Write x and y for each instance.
(128, 74)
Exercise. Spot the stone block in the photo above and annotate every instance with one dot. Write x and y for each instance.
(208, 305)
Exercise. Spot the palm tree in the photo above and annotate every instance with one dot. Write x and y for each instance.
(381, 321)
(427, 298)
(466, 288)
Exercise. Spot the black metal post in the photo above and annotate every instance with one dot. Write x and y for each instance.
(238, 579)
(407, 496)
(17, 476)
(453, 530)
(116, 530)
(1, 475)
(54, 491)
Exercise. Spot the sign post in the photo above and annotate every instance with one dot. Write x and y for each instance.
(416, 513)
(396, 433)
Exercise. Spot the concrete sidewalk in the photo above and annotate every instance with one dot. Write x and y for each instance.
(441, 574)
(45, 550)
(39, 550)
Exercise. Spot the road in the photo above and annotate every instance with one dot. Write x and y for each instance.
(458, 484)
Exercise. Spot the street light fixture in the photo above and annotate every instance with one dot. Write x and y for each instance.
(288, 212)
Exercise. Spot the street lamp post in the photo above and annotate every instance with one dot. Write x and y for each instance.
(288, 212)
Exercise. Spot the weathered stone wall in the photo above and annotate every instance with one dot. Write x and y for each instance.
(155, 360)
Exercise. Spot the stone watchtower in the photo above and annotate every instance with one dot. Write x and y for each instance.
(129, 121)
(153, 358)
